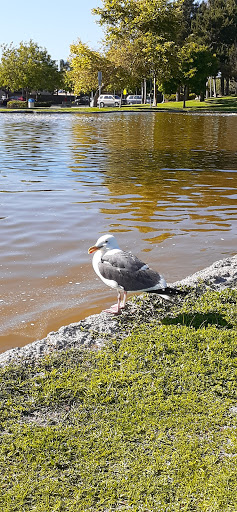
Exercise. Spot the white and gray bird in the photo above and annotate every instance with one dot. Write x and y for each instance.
(125, 273)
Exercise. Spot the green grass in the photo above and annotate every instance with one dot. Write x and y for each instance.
(223, 104)
(146, 424)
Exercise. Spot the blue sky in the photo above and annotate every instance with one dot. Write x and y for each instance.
(54, 25)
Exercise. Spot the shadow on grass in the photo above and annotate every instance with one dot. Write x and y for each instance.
(198, 320)
(223, 102)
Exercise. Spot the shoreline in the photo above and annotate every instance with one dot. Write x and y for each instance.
(93, 330)
(96, 110)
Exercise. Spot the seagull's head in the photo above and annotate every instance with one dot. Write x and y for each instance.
(104, 243)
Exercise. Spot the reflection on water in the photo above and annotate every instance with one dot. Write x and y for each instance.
(165, 183)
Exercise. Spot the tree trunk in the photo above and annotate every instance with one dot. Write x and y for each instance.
(96, 98)
(214, 87)
(155, 93)
(227, 86)
(222, 86)
(202, 96)
(144, 91)
(185, 96)
(178, 94)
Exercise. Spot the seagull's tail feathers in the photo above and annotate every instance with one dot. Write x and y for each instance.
(168, 293)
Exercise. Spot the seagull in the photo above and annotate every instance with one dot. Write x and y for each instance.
(125, 273)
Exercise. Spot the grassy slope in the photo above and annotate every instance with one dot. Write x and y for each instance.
(146, 424)
(225, 104)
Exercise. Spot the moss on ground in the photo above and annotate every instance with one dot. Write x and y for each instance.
(146, 424)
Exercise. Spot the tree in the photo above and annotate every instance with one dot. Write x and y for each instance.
(197, 63)
(147, 56)
(216, 26)
(129, 64)
(84, 66)
(123, 17)
(150, 28)
(161, 60)
(28, 67)
(189, 9)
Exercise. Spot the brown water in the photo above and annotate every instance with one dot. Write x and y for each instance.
(165, 184)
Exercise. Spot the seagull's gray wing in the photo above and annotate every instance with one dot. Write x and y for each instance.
(128, 271)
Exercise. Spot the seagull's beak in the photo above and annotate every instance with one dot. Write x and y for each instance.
(92, 249)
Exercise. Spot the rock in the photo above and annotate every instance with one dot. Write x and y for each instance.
(219, 275)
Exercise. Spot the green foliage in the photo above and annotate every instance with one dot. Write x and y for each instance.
(28, 67)
(160, 34)
(141, 38)
(16, 104)
(146, 424)
(196, 64)
(43, 104)
(120, 17)
(127, 62)
(216, 25)
(189, 10)
(121, 67)
(84, 66)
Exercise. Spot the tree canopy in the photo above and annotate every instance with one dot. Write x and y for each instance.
(85, 64)
(216, 26)
(28, 67)
(179, 43)
(162, 32)
(121, 17)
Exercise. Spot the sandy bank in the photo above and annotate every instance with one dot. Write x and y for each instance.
(95, 328)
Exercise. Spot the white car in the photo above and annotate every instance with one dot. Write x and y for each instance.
(108, 100)
(133, 99)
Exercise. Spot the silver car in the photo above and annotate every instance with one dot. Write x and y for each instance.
(133, 99)
(108, 100)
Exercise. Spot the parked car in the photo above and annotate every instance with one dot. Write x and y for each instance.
(4, 100)
(149, 98)
(108, 100)
(133, 99)
(82, 100)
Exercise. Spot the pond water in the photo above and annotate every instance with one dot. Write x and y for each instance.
(165, 184)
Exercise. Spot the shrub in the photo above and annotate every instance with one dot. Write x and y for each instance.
(43, 104)
(170, 97)
(17, 104)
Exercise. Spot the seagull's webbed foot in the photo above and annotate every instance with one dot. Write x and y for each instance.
(115, 310)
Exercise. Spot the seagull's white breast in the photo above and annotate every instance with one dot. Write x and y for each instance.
(95, 262)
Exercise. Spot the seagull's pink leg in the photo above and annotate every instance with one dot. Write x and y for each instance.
(116, 308)
(122, 304)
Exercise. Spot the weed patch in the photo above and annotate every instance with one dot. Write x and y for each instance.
(148, 423)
